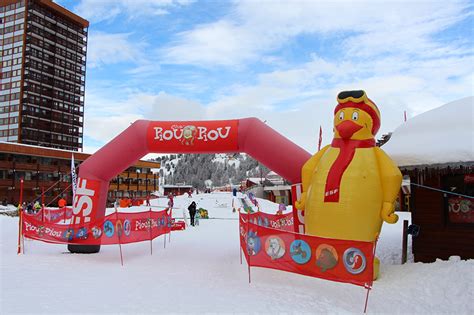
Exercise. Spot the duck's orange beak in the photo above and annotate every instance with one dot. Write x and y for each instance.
(347, 128)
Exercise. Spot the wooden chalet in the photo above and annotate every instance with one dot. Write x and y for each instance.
(435, 150)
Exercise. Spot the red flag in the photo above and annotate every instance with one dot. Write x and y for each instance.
(320, 138)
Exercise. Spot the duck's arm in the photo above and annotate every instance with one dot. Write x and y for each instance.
(307, 173)
(391, 179)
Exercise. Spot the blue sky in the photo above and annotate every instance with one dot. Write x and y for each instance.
(280, 61)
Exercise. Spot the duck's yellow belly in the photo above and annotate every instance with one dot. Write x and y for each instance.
(357, 214)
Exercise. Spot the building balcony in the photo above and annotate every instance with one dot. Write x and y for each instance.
(25, 166)
(6, 165)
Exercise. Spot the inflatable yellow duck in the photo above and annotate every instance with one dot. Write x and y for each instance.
(350, 186)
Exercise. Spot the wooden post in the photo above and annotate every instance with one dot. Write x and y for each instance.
(404, 241)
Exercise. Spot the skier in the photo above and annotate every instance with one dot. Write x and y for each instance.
(170, 201)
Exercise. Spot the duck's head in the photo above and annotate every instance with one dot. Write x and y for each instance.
(356, 117)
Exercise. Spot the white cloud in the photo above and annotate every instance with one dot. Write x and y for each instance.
(107, 48)
(367, 28)
(102, 10)
(106, 117)
(169, 107)
(388, 49)
(214, 44)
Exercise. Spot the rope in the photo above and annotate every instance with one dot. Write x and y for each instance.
(62, 192)
(443, 191)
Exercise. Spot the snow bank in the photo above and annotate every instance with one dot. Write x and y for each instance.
(442, 135)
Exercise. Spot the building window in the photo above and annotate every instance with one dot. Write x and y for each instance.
(460, 209)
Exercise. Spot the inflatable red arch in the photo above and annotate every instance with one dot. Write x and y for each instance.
(248, 135)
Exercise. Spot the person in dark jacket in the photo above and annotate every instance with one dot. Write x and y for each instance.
(192, 212)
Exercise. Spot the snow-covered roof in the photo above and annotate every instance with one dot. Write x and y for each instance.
(176, 186)
(256, 180)
(444, 135)
(278, 187)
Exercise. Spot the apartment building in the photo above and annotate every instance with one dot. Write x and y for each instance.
(42, 74)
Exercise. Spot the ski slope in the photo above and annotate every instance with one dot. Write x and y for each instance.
(199, 271)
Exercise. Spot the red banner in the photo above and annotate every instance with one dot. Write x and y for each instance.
(51, 215)
(280, 222)
(331, 259)
(115, 228)
(193, 136)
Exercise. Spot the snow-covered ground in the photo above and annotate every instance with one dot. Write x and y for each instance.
(200, 272)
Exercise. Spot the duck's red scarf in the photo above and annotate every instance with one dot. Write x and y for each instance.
(346, 153)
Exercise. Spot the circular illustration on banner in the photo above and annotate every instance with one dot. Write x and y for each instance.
(82, 234)
(119, 228)
(300, 252)
(354, 260)
(108, 228)
(96, 232)
(253, 243)
(275, 247)
(326, 257)
(68, 234)
(127, 227)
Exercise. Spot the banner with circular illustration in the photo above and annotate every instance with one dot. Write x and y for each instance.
(337, 260)
(115, 228)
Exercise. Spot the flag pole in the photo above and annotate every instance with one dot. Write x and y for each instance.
(151, 234)
(169, 232)
(248, 230)
(164, 239)
(369, 287)
(164, 235)
(320, 137)
(73, 184)
(118, 235)
(64, 216)
(20, 220)
(240, 238)
(42, 204)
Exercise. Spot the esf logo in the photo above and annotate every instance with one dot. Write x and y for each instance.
(188, 134)
(83, 202)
